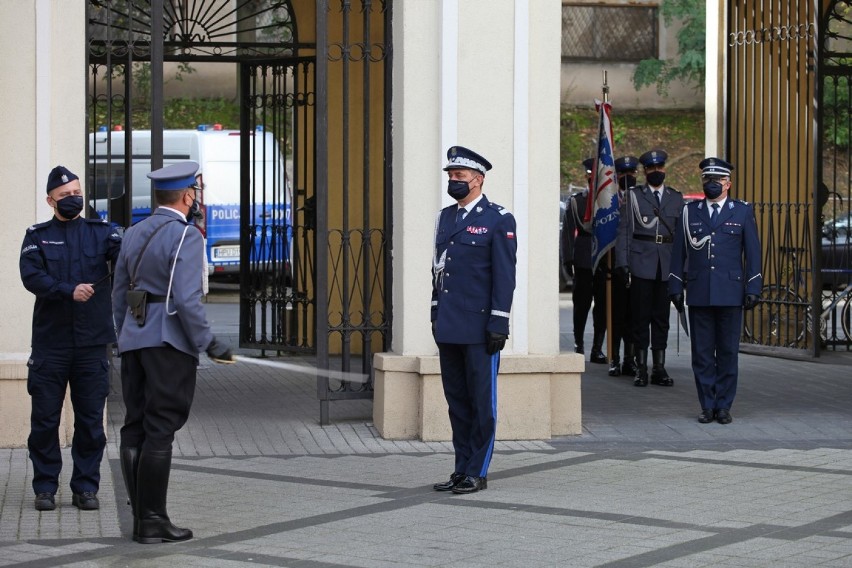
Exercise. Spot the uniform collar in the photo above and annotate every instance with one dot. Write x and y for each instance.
(720, 203)
(470, 206)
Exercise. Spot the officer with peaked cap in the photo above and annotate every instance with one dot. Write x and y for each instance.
(577, 243)
(643, 251)
(719, 242)
(162, 328)
(625, 170)
(473, 282)
(64, 262)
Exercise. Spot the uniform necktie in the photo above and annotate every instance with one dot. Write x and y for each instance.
(657, 195)
(714, 213)
(460, 214)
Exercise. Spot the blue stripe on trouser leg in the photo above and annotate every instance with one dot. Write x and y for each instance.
(495, 368)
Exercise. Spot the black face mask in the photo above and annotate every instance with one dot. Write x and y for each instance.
(69, 207)
(195, 211)
(458, 189)
(712, 189)
(655, 179)
(627, 182)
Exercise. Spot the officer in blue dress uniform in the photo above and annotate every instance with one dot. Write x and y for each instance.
(577, 243)
(64, 262)
(625, 170)
(716, 262)
(162, 327)
(473, 280)
(643, 251)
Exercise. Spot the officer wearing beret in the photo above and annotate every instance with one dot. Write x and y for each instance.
(625, 170)
(64, 262)
(642, 253)
(473, 281)
(716, 262)
(577, 257)
(162, 327)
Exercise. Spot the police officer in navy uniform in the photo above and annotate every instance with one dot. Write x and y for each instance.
(716, 262)
(64, 262)
(642, 253)
(577, 243)
(473, 277)
(625, 170)
(162, 259)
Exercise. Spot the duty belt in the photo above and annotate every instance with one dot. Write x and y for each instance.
(659, 239)
(156, 299)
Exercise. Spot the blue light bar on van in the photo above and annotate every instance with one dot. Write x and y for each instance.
(202, 127)
(259, 128)
(102, 128)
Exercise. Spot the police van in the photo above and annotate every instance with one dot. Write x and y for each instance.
(217, 151)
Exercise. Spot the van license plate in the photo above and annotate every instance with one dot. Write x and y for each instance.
(226, 253)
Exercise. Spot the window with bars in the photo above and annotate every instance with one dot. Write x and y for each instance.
(609, 33)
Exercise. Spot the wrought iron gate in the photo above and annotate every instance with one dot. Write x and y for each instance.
(770, 139)
(318, 282)
(834, 147)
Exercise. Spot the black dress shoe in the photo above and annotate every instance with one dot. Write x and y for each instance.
(614, 368)
(597, 356)
(471, 484)
(706, 416)
(86, 501)
(660, 377)
(640, 381)
(454, 480)
(45, 502)
(723, 416)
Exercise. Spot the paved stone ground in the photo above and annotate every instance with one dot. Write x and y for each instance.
(262, 484)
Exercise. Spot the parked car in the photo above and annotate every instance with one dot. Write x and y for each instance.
(837, 252)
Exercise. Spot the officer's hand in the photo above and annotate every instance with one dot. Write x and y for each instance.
(751, 300)
(622, 272)
(220, 353)
(569, 269)
(83, 292)
(495, 342)
(677, 300)
(433, 330)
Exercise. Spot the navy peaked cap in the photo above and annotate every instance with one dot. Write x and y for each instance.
(174, 177)
(715, 167)
(626, 164)
(653, 158)
(58, 176)
(589, 164)
(461, 157)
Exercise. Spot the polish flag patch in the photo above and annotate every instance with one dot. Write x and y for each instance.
(510, 235)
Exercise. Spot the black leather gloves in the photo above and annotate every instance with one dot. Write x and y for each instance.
(677, 301)
(751, 300)
(433, 330)
(494, 342)
(220, 353)
(622, 272)
(569, 269)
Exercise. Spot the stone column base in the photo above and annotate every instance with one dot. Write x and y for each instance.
(538, 397)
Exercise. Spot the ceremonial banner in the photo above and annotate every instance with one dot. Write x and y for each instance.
(602, 211)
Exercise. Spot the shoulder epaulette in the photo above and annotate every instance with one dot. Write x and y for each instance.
(499, 208)
(96, 221)
(37, 226)
(673, 189)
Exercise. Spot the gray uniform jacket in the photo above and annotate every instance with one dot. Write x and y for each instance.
(181, 321)
(646, 230)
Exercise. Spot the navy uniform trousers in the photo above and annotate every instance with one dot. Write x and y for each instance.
(158, 385)
(469, 375)
(649, 302)
(51, 371)
(715, 372)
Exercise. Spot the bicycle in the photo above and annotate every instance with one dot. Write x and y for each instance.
(844, 296)
(783, 318)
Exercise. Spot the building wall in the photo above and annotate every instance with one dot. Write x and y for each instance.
(43, 92)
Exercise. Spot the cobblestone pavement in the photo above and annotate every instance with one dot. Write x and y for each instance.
(261, 483)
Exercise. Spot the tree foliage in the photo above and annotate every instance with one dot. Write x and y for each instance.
(688, 66)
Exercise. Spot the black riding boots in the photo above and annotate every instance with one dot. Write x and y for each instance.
(659, 376)
(129, 468)
(641, 379)
(597, 356)
(152, 489)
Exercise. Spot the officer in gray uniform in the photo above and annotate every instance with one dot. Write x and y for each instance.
(162, 327)
(719, 242)
(589, 286)
(473, 281)
(643, 251)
